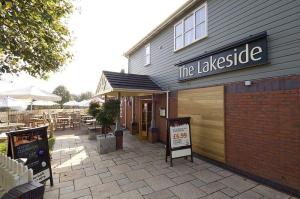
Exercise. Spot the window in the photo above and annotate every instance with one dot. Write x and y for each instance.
(148, 54)
(192, 28)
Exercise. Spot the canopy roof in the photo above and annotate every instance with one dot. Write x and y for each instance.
(31, 93)
(9, 102)
(71, 103)
(111, 83)
(44, 103)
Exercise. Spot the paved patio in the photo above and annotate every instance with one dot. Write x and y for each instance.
(140, 171)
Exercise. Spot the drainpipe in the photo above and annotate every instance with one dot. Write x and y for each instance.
(132, 109)
(118, 126)
(153, 113)
(167, 104)
(125, 112)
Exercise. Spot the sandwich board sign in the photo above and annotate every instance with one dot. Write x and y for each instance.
(32, 146)
(179, 141)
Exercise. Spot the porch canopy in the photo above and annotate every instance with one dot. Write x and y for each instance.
(114, 84)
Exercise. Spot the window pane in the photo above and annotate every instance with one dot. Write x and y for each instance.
(178, 30)
(178, 42)
(188, 23)
(147, 59)
(200, 16)
(147, 50)
(189, 37)
(200, 30)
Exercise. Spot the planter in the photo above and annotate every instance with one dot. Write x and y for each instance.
(106, 144)
(119, 139)
(153, 135)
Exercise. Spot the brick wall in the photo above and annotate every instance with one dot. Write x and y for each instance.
(263, 129)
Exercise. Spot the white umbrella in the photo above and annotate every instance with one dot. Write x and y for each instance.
(85, 103)
(71, 103)
(31, 93)
(43, 103)
(9, 102)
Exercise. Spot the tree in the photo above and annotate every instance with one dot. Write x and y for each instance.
(93, 109)
(33, 36)
(85, 96)
(64, 93)
(107, 114)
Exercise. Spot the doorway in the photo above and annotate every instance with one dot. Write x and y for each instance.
(145, 119)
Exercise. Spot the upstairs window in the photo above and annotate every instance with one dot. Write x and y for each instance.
(191, 28)
(148, 55)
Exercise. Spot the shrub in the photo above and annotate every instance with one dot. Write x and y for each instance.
(93, 109)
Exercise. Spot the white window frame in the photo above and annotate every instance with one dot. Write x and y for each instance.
(147, 55)
(194, 19)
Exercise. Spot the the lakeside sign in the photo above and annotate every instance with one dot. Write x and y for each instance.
(248, 52)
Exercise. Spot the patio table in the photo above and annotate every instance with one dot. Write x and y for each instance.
(64, 121)
(7, 127)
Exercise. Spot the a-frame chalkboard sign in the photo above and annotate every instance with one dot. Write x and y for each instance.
(179, 140)
(32, 145)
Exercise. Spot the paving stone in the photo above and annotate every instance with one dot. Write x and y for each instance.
(71, 175)
(172, 174)
(59, 185)
(158, 183)
(248, 195)
(123, 168)
(163, 194)
(128, 195)
(53, 194)
(105, 163)
(113, 178)
(92, 171)
(183, 179)
(137, 175)
(145, 190)
(86, 197)
(104, 175)
(212, 187)
(123, 181)
(187, 191)
(88, 181)
(238, 183)
(269, 192)
(105, 190)
(66, 189)
(133, 185)
(230, 192)
(143, 159)
(156, 172)
(182, 169)
(128, 155)
(76, 194)
(207, 176)
(198, 183)
(216, 195)
(224, 173)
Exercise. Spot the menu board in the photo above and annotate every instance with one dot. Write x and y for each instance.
(32, 145)
(179, 139)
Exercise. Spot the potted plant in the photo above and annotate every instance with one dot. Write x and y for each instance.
(106, 116)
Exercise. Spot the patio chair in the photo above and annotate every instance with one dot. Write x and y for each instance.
(75, 121)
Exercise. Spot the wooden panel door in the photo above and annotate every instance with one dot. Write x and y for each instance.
(205, 106)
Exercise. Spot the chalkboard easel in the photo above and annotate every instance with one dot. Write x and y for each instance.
(32, 145)
(179, 140)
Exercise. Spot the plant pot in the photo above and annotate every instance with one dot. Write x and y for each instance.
(106, 144)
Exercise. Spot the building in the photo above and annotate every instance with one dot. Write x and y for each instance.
(234, 68)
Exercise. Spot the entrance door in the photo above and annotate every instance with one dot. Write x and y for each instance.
(146, 112)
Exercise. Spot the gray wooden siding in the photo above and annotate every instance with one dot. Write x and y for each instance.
(229, 21)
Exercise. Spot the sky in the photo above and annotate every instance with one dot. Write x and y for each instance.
(102, 31)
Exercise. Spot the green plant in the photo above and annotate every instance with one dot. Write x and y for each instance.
(93, 109)
(3, 147)
(107, 114)
(51, 142)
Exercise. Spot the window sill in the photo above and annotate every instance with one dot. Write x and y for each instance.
(200, 39)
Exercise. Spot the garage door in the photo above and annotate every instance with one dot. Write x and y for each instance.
(205, 106)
